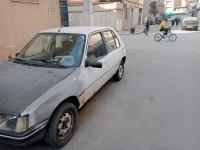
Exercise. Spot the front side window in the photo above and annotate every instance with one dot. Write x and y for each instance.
(53, 49)
(95, 48)
(109, 41)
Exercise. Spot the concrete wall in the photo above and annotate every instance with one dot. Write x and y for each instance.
(107, 14)
(119, 22)
(20, 21)
(103, 15)
(135, 16)
(76, 15)
(145, 10)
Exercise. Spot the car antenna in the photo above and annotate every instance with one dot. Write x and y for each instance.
(59, 29)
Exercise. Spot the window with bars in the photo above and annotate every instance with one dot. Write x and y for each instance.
(64, 13)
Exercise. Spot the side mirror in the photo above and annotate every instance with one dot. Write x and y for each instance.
(16, 54)
(93, 64)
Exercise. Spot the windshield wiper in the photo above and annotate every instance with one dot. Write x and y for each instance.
(42, 60)
(24, 61)
(49, 63)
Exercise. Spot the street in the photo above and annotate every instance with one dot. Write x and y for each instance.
(154, 107)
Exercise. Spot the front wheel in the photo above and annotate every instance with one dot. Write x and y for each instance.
(120, 72)
(62, 125)
(172, 37)
(158, 37)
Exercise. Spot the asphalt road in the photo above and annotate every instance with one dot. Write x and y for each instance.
(156, 106)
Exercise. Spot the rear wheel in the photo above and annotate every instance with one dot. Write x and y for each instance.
(62, 125)
(120, 72)
(172, 37)
(158, 37)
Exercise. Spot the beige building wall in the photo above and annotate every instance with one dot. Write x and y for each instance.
(20, 21)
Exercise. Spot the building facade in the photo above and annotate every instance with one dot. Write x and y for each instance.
(22, 19)
(196, 8)
(180, 7)
(115, 13)
(176, 7)
(161, 7)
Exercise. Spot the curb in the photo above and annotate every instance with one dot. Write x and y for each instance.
(130, 33)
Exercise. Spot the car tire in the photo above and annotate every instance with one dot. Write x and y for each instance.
(120, 72)
(62, 125)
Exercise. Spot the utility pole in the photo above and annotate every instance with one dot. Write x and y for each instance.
(88, 12)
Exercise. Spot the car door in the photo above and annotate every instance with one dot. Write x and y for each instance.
(114, 51)
(95, 78)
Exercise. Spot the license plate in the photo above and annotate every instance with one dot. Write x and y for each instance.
(189, 26)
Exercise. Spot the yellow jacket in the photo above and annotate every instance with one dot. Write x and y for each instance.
(162, 24)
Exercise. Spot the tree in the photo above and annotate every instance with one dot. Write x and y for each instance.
(153, 8)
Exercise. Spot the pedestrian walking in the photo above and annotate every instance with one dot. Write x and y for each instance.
(177, 21)
(147, 24)
(173, 20)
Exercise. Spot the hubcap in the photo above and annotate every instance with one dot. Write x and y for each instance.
(172, 37)
(158, 37)
(120, 71)
(65, 123)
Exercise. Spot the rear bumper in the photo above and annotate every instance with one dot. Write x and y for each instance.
(189, 27)
(34, 134)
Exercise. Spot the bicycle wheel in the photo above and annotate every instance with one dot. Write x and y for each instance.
(158, 37)
(172, 37)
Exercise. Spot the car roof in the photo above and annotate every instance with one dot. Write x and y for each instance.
(190, 19)
(77, 30)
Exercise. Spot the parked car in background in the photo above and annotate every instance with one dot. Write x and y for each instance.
(158, 20)
(169, 19)
(152, 21)
(190, 23)
(53, 76)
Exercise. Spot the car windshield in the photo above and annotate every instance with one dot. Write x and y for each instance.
(53, 49)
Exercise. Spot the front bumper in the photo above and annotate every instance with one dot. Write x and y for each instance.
(32, 135)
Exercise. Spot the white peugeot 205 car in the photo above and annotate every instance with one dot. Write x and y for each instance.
(51, 78)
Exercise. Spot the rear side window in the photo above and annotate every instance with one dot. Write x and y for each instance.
(109, 41)
(95, 48)
(116, 40)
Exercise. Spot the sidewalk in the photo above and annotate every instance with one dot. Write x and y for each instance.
(139, 30)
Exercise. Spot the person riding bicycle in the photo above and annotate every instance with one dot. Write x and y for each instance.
(164, 27)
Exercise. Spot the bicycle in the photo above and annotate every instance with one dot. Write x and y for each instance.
(171, 36)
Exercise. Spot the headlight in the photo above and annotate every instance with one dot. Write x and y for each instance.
(13, 124)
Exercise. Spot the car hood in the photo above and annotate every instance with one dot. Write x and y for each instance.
(21, 85)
